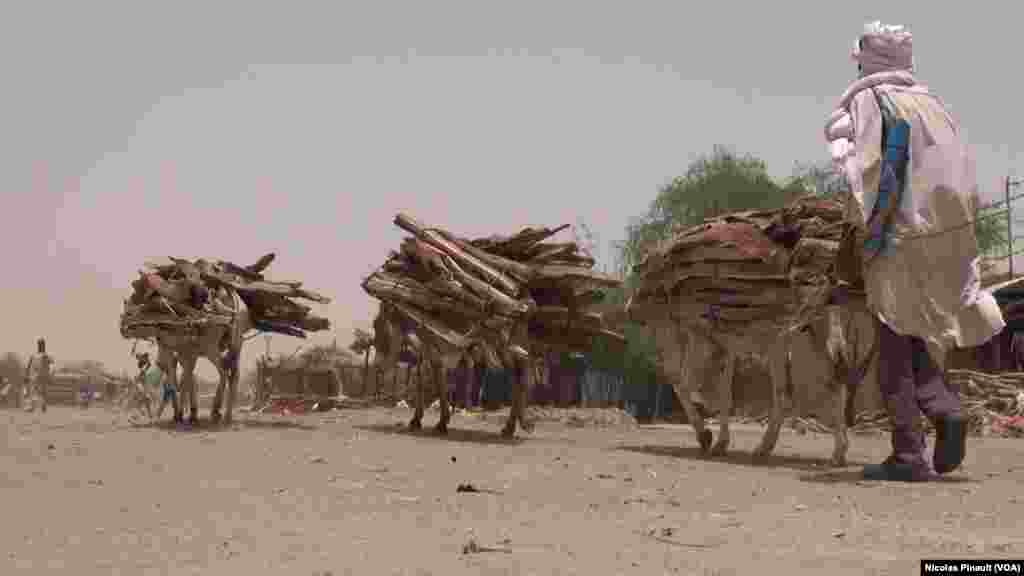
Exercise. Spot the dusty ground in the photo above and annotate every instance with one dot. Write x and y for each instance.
(347, 492)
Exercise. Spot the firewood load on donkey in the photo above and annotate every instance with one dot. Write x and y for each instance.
(205, 309)
(749, 283)
(503, 301)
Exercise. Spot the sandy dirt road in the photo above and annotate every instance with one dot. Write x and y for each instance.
(349, 492)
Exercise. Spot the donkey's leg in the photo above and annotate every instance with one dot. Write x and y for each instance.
(725, 397)
(188, 366)
(218, 396)
(440, 378)
(509, 430)
(523, 392)
(231, 380)
(232, 392)
(777, 355)
(839, 432)
(176, 402)
(684, 382)
(417, 416)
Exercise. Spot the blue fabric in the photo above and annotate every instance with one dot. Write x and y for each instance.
(892, 180)
(168, 392)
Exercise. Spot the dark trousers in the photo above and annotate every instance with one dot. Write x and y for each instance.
(910, 381)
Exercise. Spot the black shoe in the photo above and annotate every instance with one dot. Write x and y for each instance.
(892, 470)
(950, 443)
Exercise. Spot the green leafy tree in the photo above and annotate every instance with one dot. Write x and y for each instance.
(723, 181)
(817, 178)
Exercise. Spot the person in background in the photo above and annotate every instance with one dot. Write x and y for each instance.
(913, 195)
(144, 382)
(40, 384)
(85, 391)
(168, 393)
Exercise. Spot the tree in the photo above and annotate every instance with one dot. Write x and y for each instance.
(817, 178)
(362, 343)
(723, 181)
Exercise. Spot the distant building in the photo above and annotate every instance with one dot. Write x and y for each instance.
(324, 373)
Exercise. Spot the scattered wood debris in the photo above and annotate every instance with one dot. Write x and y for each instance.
(994, 404)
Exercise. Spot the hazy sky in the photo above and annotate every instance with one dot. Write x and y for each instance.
(232, 129)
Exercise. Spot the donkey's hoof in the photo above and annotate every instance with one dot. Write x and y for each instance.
(763, 452)
(720, 448)
(837, 461)
(214, 416)
(441, 428)
(508, 432)
(705, 441)
(415, 425)
(193, 420)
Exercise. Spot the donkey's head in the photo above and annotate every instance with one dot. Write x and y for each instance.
(393, 335)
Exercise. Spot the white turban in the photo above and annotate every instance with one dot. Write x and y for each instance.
(883, 48)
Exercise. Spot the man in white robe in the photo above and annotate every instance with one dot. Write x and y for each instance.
(921, 257)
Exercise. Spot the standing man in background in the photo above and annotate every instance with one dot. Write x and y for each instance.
(40, 385)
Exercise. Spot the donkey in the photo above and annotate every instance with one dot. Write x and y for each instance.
(838, 335)
(394, 332)
(222, 346)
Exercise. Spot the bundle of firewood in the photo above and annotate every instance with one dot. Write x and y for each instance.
(458, 289)
(767, 266)
(177, 294)
(994, 402)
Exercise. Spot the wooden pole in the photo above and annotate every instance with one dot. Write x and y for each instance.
(1009, 227)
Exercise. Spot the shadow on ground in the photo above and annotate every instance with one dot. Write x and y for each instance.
(856, 476)
(206, 425)
(799, 463)
(454, 434)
